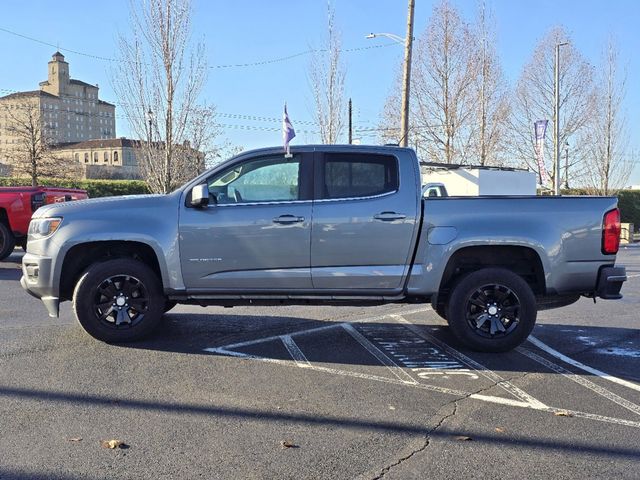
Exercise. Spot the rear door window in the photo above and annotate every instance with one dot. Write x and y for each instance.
(356, 175)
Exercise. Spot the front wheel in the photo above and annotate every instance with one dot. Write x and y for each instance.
(119, 300)
(7, 241)
(492, 310)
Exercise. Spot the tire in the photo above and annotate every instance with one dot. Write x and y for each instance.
(492, 310)
(169, 304)
(7, 241)
(118, 300)
(441, 310)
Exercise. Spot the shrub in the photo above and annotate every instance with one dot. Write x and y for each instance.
(95, 188)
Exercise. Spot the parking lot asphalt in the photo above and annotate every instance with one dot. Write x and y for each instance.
(320, 392)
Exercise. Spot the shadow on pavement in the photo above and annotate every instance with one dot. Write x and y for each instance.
(264, 416)
(327, 342)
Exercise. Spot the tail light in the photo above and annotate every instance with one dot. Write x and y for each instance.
(38, 200)
(611, 232)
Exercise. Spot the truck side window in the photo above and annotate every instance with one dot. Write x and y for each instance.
(358, 175)
(264, 179)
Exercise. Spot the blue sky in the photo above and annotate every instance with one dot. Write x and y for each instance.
(248, 31)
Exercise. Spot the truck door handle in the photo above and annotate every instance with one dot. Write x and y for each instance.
(389, 216)
(288, 219)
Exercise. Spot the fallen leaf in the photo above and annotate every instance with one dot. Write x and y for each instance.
(287, 444)
(563, 413)
(499, 429)
(113, 444)
(463, 438)
(75, 439)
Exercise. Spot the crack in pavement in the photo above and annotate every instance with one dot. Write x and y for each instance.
(427, 439)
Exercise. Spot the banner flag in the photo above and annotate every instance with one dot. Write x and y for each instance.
(540, 128)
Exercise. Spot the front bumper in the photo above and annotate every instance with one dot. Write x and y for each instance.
(610, 280)
(37, 275)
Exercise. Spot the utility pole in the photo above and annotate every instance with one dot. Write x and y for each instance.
(556, 123)
(350, 123)
(408, 44)
(566, 165)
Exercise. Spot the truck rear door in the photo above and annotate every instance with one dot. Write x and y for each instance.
(365, 216)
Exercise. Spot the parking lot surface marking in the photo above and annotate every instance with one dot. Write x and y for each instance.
(520, 394)
(410, 349)
(581, 381)
(375, 351)
(582, 366)
(295, 352)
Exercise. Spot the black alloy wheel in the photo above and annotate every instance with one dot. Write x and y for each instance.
(119, 300)
(492, 310)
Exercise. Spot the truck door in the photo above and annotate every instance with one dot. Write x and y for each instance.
(364, 221)
(255, 234)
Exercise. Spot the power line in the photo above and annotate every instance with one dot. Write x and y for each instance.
(222, 66)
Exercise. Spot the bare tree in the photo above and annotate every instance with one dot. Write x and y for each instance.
(444, 75)
(534, 99)
(31, 153)
(158, 81)
(490, 96)
(327, 76)
(202, 131)
(609, 162)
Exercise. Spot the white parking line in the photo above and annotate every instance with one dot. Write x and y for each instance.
(481, 369)
(623, 402)
(295, 352)
(375, 351)
(344, 373)
(582, 366)
(524, 400)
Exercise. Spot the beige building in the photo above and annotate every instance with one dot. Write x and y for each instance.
(119, 158)
(65, 109)
(107, 158)
(76, 125)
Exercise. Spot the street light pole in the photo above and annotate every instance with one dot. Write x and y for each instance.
(556, 123)
(150, 120)
(408, 44)
(406, 84)
(566, 165)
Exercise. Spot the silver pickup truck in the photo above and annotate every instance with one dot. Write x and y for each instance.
(339, 225)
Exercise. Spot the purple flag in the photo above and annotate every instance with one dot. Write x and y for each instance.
(288, 133)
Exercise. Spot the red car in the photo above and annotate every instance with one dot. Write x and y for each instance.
(17, 204)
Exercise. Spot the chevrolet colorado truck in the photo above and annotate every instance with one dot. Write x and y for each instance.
(17, 205)
(339, 225)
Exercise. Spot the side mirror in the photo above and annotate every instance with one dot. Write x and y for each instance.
(200, 196)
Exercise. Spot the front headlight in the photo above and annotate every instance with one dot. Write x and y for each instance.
(43, 227)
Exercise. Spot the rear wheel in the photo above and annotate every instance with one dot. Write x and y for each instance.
(119, 300)
(492, 310)
(7, 241)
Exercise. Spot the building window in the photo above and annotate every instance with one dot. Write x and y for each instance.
(106, 157)
(95, 157)
(76, 157)
(115, 157)
(86, 158)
